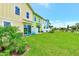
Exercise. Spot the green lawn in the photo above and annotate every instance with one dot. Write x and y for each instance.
(54, 44)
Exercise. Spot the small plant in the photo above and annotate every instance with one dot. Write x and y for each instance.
(18, 46)
(3, 39)
(12, 40)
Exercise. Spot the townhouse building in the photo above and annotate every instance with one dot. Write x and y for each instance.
(22, 16)
(37, 23)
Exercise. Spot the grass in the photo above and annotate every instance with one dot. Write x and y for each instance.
(54, 44)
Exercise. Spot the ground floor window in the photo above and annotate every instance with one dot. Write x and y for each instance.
(7, 23)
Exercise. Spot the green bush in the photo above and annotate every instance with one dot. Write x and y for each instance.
(11, 39)
(18, 45)
(7, 34)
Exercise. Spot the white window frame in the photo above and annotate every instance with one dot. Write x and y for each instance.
(14, 9)
(7, 21)
(26, 14)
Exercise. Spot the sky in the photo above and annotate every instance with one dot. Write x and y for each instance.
(59, 14)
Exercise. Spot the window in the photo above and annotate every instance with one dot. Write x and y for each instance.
(17, 10)
(39, 20)
(34, 18)
(27, 15)
(7, 24)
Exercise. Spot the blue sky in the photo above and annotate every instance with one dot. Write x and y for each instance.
(59, 14)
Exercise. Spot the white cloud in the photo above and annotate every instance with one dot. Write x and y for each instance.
(46, 5)
(72, 22)
(58, 23)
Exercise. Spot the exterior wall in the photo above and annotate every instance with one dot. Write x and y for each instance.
(37, 21)
(7, 13)
(46, 24)
(35, 29)
(42, 24)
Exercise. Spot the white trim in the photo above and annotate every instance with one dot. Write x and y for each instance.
(15, 5)
(26, 15)
(14, 10)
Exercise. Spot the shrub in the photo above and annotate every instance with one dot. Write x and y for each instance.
(7, 34)
(11, 39)
(19, 45)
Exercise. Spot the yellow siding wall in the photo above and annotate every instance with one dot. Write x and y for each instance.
(37, 20)
(7, 12)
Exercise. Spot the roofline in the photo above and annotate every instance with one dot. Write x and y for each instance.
(39, 15)
(30, 7)
(35, 12)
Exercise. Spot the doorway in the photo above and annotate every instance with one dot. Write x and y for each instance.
(27, 29)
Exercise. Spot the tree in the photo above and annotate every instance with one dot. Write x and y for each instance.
(67, 28)
(77, 26)
(50, 26)
(62, 28)
(73, 28)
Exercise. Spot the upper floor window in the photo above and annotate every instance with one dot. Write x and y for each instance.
(39, 20)
(7, 24)
(17, 10)
(34, 18)
(27, 15)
